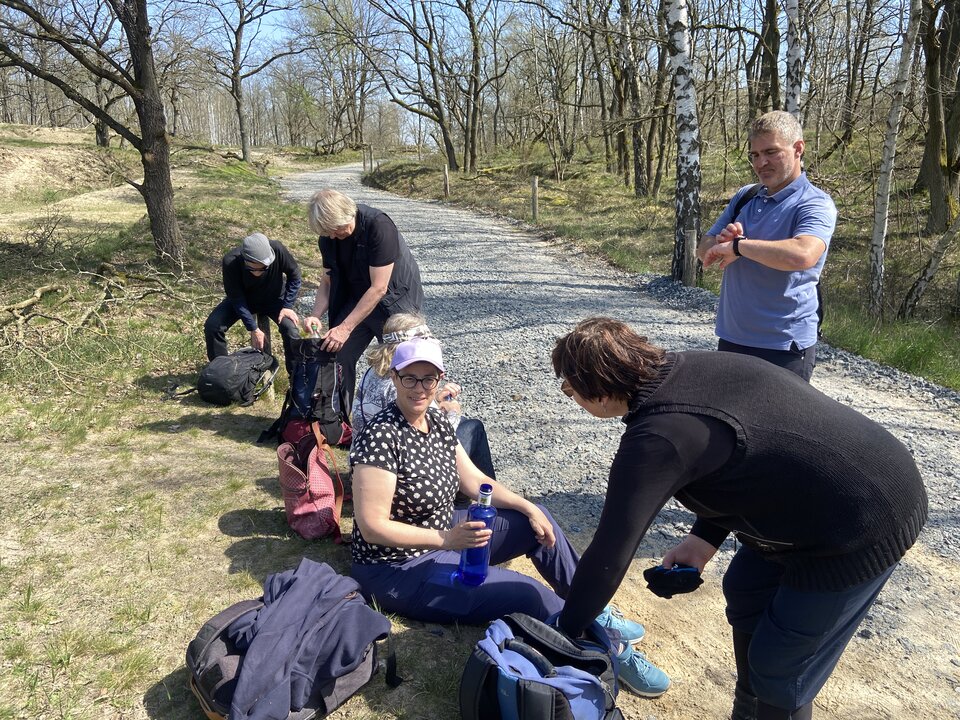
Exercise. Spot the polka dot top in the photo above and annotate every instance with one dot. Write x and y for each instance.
(426, 468)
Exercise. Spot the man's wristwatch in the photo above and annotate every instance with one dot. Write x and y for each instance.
(736, 245)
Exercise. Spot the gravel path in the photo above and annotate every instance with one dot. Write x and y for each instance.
(499, 293)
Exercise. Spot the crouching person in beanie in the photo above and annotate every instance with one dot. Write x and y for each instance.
(259, 277)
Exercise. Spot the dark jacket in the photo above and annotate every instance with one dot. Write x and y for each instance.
(275, 289)
(313, 626)
(754, 450)
(348, 283)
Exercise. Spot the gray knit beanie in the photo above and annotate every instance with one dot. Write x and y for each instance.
(256, 248)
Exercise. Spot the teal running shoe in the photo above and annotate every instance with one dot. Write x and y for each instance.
(639, 675)
(612, 619)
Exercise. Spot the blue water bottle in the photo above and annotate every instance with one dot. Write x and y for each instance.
(474, 561)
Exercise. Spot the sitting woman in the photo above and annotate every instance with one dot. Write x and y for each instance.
(407, 467)
(376, 391)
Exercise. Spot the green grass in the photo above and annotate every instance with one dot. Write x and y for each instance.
(594, 211)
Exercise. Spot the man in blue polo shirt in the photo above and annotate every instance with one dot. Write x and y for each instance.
(772, 248)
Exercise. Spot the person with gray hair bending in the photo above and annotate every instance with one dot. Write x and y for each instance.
(369, 275)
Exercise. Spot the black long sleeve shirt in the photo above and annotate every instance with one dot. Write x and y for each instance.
(754, 450)
(271, 291)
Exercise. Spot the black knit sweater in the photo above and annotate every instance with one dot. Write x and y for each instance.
(754, 450)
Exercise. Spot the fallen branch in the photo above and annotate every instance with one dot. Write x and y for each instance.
(33, 300)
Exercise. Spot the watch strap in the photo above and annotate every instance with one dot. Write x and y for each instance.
(736, 245)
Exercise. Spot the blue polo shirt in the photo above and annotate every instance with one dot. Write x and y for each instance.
(766, 308)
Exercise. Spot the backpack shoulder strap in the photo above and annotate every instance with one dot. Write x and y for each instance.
(744, 199)
(323, 446)
(273, 432)
(265, 380)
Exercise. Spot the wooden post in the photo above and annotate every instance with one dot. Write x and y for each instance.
(690, 257)
(446, 181)
(535, 199)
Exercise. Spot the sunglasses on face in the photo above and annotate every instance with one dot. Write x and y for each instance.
(255, 269)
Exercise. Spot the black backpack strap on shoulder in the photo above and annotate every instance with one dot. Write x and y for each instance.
(744, 199)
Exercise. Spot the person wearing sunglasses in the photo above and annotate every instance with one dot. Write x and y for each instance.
(375, 391)
(259, 277)
(824, 501)
(407, 537)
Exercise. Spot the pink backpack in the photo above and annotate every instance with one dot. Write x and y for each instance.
(313, 497)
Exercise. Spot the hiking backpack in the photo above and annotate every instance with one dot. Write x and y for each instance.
(239, 377)
(524, 669)
(339, 664)
(316, 394)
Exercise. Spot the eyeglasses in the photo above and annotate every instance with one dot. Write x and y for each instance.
(410, 381)
(565, 388)
(255, 269)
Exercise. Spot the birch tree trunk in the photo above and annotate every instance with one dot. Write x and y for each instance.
(881, 212)
(794, 80)
(688, 139)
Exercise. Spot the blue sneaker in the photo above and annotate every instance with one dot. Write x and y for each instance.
(613, 619)
(640, 676)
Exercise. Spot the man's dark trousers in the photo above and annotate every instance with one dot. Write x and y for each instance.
(799, 362)
(224, 317)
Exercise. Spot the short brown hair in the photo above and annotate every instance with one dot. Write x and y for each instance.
(778, 122)
(603, 357)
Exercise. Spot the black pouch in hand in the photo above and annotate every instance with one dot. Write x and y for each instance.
(667, 582)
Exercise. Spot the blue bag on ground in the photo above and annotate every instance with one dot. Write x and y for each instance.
(524, 669)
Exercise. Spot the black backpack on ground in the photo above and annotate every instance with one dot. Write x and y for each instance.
(240, 377)
(524, 669)
(340, 665)
(743, 200)
(316, 394)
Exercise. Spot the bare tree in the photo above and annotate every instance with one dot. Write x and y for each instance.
(238, 50)
(940, 167)
(130, 68)
(920, 285)
(794, 79)
(688, 140)
(885, 174)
